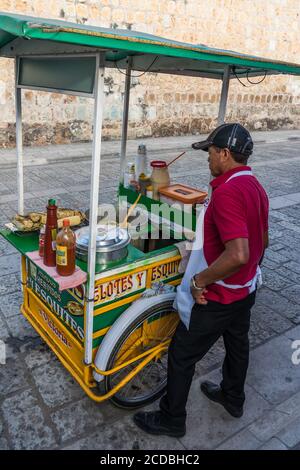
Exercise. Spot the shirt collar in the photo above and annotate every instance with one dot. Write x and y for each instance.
(223, 178)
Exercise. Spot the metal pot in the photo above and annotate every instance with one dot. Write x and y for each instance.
(111, 244)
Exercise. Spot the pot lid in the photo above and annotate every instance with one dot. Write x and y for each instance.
(108, 238)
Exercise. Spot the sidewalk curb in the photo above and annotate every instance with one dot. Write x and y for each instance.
(50, 160)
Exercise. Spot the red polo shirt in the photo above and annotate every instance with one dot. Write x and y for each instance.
(238, 209)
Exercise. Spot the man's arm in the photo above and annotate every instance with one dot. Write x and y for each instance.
(235, 255)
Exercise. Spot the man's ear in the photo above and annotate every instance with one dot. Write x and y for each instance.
(227, 154)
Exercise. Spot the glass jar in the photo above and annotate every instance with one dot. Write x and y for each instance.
(160, 177)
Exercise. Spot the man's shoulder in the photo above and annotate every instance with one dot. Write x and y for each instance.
(238, 188)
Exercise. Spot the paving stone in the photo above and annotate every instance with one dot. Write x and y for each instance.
(290, 436)
(280, 304)
(26, 423)
(3, 444)
(275, 233)
(273, 444)
(293, 266)
(291, 242)
(290, 226)
(78, 419)
(56, 385)
(124, 435)
(208, 424)
(290, 238)
(295, 197)
(243, 440)
(269, 264)
(293, 334)
(270, 424)
(11, 303)
(277, 214)
(291, 252)
(271, 371)
(8, 284)
(39, 355)
(5, 247)
(274, 281)
(277, 257)
(292, 293)
(10, 264)
(291, 406)
(279, 202)
(13, 376)
(4, 333)
(288, 274)
(20, 327)
(265, 319)
(7, 210)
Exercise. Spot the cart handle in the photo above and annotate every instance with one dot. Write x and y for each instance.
(154, 351)
(123, 382)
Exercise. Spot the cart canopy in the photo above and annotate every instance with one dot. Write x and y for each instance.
(24, 35)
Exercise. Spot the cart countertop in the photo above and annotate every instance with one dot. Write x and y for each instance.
(29, 242)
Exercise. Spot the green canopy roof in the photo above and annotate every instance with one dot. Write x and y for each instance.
(149, 53)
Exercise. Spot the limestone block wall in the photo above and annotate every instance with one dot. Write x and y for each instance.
(164, 105)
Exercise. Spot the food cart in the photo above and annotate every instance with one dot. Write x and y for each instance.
(106, 332)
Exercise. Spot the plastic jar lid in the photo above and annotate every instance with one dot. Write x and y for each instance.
(158, 164)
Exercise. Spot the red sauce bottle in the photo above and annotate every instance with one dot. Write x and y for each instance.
(50, 234)
(65, 250)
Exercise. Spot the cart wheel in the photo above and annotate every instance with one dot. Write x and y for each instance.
(151, 328)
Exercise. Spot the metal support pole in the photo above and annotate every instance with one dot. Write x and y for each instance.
(94, 196)
(125, 119)
(222, 107)
(224, 95)
(19, 142)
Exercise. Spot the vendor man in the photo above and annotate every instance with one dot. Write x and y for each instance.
(219, 286)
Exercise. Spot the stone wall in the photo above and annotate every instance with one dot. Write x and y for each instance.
(163, 104)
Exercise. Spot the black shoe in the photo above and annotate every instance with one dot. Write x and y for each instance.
(152, 423)
(215, 393)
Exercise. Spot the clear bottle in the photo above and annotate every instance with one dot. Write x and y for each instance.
(130, 174)
(65, 250)
(141, 161)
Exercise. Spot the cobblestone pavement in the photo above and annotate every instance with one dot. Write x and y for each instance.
(42, 407)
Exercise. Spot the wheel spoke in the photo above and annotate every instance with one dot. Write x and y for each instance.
(155, 329)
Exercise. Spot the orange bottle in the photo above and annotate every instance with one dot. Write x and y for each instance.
(50, 233)
(65, 250)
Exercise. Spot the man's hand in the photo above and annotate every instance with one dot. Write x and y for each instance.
(199, 296)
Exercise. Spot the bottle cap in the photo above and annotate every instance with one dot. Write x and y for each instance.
(51, 202)
(142, 149)
(158, 164)
(66, 223)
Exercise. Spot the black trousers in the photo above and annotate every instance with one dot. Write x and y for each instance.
(208, 323)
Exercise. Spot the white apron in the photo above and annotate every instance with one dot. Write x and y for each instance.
(184, 300)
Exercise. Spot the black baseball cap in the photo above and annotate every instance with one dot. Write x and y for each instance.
(232, 136)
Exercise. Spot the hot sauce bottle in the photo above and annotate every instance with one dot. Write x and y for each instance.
(50, 234)
(65, 250)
